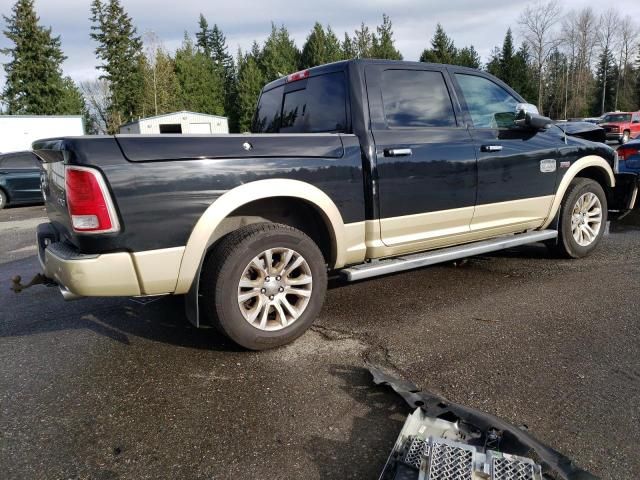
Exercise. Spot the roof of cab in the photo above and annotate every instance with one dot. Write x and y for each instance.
(343, 64)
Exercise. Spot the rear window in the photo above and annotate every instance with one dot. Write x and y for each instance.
(314, 105)
(23, 160)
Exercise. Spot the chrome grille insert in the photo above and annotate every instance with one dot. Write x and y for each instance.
(450, 462)
(512, 469)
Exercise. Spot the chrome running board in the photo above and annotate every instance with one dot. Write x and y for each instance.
(408, 262)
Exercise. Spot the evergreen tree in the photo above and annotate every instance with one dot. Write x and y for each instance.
(523, 79)
(225, 65)
(603, 98)
(314, 48)
(383, 42)
(280, 56)
(468, 57)
(333, 48)
(71, 101)
(494, 65)
(203, 36)
(320, 47)
(201, 87)
(507, 61)
(348, 48)
(120, 50)
(442, 48)
(250, 83)
(362, 42)
(34, 83)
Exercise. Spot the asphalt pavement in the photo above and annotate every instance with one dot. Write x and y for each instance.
(118, 388)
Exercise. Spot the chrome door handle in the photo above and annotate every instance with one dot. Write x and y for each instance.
(490, 148)
(397, 152)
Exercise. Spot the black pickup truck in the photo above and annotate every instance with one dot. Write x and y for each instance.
(360, 167)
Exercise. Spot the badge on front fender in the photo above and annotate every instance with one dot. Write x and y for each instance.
(548, 165)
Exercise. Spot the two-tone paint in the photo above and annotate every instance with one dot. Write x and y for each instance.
(173, 194)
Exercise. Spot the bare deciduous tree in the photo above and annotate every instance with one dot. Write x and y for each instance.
(537, 24)
(97, 94)
(628, 38)
(608, 34)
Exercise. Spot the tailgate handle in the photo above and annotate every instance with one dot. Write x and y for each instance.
(490, 148)
(397, 152)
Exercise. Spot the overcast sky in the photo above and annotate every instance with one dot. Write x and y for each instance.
(481, 23)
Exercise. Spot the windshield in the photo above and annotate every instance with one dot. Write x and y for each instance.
(617, 117)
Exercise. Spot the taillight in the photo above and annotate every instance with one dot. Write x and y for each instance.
(89, 202)
(301, 75)
(624, 153)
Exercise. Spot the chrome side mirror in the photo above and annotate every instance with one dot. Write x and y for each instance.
(524, 108)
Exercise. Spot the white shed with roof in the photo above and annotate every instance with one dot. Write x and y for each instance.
(178, 122)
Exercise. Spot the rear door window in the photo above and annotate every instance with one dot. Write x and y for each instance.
(314, 105)
(20, 161)
(416, 99)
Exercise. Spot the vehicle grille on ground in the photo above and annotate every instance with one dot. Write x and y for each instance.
(450, 462)
(417, 449)
(511, 469)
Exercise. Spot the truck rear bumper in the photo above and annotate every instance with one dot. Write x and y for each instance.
(119, 274)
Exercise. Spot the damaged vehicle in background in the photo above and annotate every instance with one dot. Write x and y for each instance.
(361, 167)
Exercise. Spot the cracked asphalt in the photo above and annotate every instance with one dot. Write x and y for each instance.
(114, 388)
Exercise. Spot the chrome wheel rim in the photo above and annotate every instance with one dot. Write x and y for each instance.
(586, 219)
(274, 289)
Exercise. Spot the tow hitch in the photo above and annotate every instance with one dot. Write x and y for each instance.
(38, 279)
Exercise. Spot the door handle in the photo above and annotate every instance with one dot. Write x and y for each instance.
(397, 152)
(490, 148)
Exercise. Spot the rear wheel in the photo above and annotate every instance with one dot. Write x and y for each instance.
(583, 216)
(263, 285)
(3, 199)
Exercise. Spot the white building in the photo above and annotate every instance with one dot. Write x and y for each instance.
(178, 122)
(18, 132)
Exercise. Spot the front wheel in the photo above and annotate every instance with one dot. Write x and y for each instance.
(583, 216)
(3, 199)
(263, 285)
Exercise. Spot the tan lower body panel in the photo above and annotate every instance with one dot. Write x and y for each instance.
(416, 233)
(109, 275)
(158, 269)
(121, 274)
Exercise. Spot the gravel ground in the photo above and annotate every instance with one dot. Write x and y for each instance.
(114, 388)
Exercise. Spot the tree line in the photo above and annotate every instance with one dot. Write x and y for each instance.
(571, 65)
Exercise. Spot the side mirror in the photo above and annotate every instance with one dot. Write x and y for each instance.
(531, 120)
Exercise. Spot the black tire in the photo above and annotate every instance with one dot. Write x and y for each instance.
(225, 266)
(3, 199)
(567, 246)
(625, 137)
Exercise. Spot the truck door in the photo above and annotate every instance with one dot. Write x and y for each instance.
(517, 168)
(425, 159)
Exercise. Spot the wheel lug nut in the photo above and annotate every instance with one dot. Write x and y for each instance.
(267, 279)
(263, 290)
(270, 297)
(278, 278)
(281, 289)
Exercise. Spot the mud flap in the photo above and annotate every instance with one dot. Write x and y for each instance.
(624, 195)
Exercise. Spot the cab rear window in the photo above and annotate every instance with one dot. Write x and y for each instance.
(314, 105)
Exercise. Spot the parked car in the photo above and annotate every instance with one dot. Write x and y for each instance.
(362, 167)
(19, 179)
(581, 129)
(621, 126)
(629, 157)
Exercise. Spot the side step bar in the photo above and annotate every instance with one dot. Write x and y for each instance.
(408, 262)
